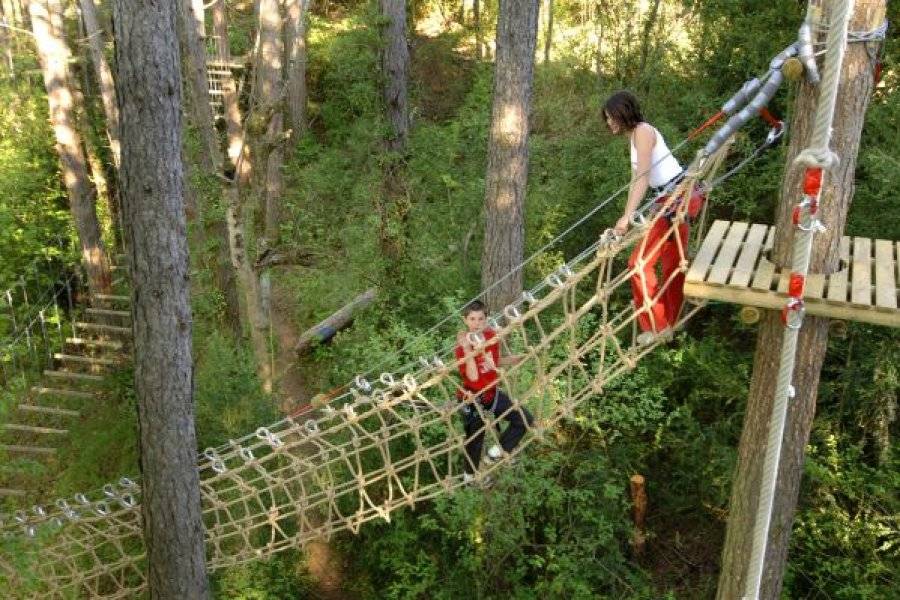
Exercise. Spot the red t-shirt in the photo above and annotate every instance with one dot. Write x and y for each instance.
(487, 374)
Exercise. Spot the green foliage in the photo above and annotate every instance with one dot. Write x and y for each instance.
(33, 212)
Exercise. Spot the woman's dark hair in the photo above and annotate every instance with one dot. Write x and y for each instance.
(624, 107)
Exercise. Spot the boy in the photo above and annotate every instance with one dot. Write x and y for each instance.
(478, 368)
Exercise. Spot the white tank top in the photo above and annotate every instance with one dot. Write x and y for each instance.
(663, 166)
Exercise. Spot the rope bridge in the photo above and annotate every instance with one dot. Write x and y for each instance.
(391, 445)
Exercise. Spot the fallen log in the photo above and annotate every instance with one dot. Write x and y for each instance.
(325, 330)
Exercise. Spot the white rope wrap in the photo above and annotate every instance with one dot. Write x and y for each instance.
(818, 155)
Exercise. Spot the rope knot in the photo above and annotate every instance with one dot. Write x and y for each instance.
(822, 158)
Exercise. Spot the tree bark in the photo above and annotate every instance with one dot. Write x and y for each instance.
(270, 92)
(54, 57)
(548, 40)
(507, 169)
(153, 189)
(198, 79)
(6, 39)
(233, 128)
(476, 22)
(645, 38)
(96, 41)
(395, 71)
(295, 42)
(853, 97)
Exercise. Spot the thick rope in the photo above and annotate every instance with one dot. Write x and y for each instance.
(817, 156)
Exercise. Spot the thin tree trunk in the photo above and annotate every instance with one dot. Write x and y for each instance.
(295, 42)
(248, 284)
(395, 71)
(507, 169)
(54, 57)
(392, 204)
(476, 22)
(853, 97)
(96, 41)
(153, 189)
(7, 39)
(198, 78)
(548, 40)
(270, 91)
(233, 128)
(649, 24)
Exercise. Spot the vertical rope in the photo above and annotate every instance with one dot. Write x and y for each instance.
(817, 156)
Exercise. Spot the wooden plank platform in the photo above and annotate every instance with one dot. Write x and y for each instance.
(731, 266)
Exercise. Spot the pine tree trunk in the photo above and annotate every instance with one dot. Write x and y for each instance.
(149, 92)
(270, 92)
(645, 38)
(392, 205)
(7, 39)
(853, 97)
(507, 169)
(476, 22)
(548, 40)
(295, 42)
(395, 71)
(233, 128)
(96, 40)
(198, 79)
(54, 57)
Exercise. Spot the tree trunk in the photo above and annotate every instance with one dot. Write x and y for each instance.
(476, 21)
(645, 38)
(507, 169)
(395, 71)
(248, 285)
(233, 128)
(96, 40)
(153, 189)
(270, 92)
(198, 78)
(853, 97)
(392, 205)
(295, 42)
(54, 57)
(548, 40)
(6, 39)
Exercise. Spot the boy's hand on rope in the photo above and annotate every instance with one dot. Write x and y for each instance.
(621, 226)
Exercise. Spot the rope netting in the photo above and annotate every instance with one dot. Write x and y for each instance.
(390, 445)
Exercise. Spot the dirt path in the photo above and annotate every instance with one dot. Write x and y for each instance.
(322, 561)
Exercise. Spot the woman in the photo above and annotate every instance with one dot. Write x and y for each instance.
(653, 167)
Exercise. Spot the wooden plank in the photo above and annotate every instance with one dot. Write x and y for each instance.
(46, 391)
(72, 375)
(749, 253)
(815, 286)
(861, 273)
(111, 344)
(50, 410)
(707, 251)
(103, 328)
(33, 429)
(721, 269)
(885, 283)
(837, 282)
(7, 492)
(84, 360)
(771, 300)
(27, 449)
(108, 312)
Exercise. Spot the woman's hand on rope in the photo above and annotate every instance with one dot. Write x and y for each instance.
(621, 226)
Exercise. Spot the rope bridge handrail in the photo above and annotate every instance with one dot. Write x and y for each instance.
(392, 446)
